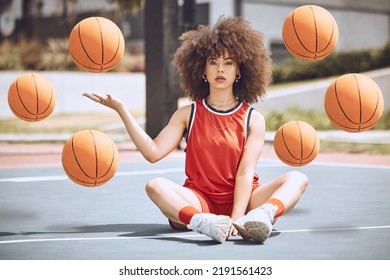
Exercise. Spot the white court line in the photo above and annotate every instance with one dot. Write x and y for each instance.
(278, 163)
(96, 238)
(354, 165)
(64, 177)
(261, 164)
(179, 235)
(332, 229)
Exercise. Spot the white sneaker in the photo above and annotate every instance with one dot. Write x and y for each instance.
(257, 224)
(215, 226)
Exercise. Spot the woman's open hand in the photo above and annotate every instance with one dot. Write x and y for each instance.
(106, 100)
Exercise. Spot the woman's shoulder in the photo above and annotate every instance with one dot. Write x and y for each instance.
(256, 117)
(185, 109)
(183, 112)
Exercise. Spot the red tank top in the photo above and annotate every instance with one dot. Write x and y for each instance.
(215, 144)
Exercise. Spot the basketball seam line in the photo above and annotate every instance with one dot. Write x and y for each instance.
(339, 103)
(20, 98)
(117, 48)
(78, 163)
(20, 115)
(37, 92)
(106, 68)
(360, 101)
(315, 27)
(302, 149)
(305, 161)
(90, 67)
(314, 146)
(96, 156)
(36, 96)
(296, 34)
(301, 142)
(82, 45)
(101, 43)
(285, 144)
(112, 160)
(330, 38)
(377, 103)
(111, 163)
(307, 56)
(86, 182)
(348, 127)
(285, 160)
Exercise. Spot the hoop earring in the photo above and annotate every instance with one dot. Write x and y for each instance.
(238, 77)
(204, 78)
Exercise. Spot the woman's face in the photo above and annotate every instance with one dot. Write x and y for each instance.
(221, 71)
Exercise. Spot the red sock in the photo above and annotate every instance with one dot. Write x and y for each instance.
(186, 213)
(278, 204)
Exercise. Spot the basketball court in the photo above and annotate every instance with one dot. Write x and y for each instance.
(344, 215)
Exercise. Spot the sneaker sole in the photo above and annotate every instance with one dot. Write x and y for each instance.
(258, 231)
(241, 230)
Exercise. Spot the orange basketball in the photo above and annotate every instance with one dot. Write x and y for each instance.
(310, 32)
(31, 97)
(90, 158)
(353, 102)
(96, 44)
(296, 143)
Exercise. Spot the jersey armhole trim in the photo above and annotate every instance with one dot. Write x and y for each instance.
(247, 121)
(191, 120)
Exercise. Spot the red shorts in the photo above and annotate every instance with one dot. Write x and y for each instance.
(209, 207)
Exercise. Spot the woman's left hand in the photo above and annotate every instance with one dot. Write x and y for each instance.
(233, 230)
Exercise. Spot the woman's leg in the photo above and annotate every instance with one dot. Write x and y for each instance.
(183, 207)
(268, 202)
(171, 198)
(287, 188)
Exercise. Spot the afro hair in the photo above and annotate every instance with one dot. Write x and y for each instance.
(243, 43)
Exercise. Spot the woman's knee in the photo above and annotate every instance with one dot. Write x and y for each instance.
(153, 187)
(298, 178)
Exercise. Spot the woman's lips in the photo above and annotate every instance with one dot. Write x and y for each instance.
(220, 78)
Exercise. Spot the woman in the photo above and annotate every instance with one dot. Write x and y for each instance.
(223, 70)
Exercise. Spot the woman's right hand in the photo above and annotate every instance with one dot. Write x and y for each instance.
(107, 100)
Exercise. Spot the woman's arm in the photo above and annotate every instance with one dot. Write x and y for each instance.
(246, 169)
(152, 149)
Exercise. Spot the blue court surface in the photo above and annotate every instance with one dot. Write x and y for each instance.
(344, 215)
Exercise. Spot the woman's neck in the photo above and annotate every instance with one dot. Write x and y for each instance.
(222, 101)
